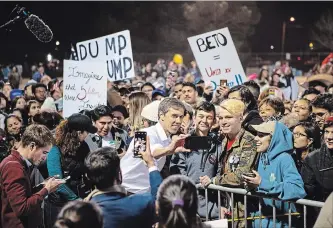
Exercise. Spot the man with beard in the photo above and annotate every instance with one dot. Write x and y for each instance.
(170, 115)
(200, 163)
(39, 91)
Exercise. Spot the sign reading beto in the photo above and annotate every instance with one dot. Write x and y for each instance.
(114, 50)
(217, 57)
(85, 86)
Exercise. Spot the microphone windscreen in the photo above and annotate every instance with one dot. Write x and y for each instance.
(39, 28)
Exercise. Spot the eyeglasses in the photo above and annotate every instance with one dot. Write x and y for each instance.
(297, 135)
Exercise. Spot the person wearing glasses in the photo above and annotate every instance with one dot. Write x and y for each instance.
(277, 174)
(306, 140)
(322, 107)
(317, 170)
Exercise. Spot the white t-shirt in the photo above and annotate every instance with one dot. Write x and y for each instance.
(134, 171)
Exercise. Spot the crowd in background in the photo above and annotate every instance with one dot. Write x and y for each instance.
(272, 135)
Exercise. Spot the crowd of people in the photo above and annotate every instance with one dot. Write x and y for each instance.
(270, 136)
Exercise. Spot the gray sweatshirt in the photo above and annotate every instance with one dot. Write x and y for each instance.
(196, 164)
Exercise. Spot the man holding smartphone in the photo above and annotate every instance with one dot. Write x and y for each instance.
(201, 162)
(170, 115)
(21, 207)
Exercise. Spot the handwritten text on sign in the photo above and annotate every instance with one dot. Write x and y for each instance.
(85, 86)
(217, 57)
(114, 50)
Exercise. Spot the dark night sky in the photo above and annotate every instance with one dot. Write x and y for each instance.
(77, 21)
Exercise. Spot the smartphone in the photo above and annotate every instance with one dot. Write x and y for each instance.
(223, 82)
(140, 142)
(66, 178)
(198, 142)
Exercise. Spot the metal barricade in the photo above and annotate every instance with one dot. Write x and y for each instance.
(306, 203)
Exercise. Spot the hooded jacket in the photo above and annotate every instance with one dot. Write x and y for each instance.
(252, 118)
(279, 177)
(198, 164)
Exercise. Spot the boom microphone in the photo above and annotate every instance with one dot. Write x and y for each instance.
(42, 32)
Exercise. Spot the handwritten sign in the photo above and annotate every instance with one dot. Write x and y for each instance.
(85, 86)
(114, 50)
(217, 57)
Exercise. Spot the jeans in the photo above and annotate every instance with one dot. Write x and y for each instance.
(51, 212)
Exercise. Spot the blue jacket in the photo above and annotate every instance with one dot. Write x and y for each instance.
(138, 210)
(279, 177)
(54, 168)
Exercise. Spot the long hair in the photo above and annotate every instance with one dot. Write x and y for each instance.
(312, 131)
(177, 202)
(137, 101)
(67, 139)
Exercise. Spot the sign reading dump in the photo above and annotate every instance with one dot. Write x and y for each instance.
(85, 86)
(114, 50)
(217, 57)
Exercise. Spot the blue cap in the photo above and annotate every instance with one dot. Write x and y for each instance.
(15, 93)
(158, 92)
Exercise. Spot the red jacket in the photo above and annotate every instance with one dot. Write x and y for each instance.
(20, 208)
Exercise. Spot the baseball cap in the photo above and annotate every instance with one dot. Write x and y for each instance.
(150, 111)
(80, 122)
(158, 92)
(328, 122)
(15, 93)
(266, 127)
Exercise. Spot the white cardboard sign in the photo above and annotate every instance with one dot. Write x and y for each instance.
(114, 50)
(85, 86)
(217, 57)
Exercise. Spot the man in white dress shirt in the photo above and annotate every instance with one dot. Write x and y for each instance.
(134, 172)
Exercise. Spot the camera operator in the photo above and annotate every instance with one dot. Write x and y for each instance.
(199, 163)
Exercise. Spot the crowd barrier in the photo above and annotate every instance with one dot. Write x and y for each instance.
(306, 203)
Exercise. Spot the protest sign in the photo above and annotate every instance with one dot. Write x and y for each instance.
(217, 57)
(114, 50)
(85, 86)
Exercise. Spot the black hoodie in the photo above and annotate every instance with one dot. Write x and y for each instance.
(252, 118)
